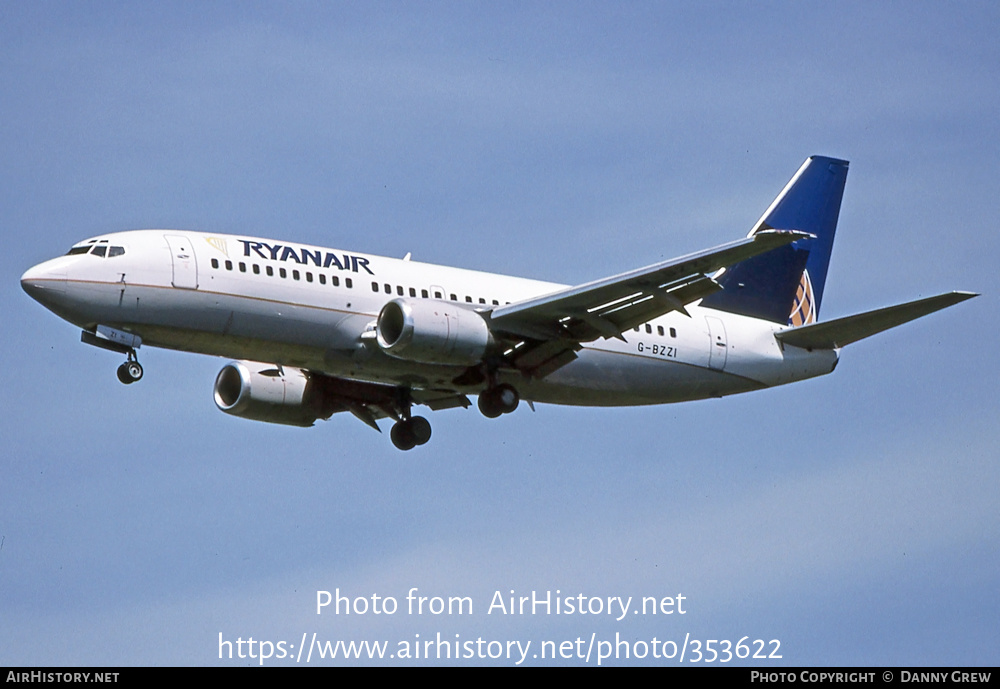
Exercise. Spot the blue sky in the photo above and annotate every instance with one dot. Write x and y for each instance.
(853, 517)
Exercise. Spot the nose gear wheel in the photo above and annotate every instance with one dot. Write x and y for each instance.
(131, 371)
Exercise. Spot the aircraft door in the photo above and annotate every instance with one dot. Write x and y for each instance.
(718, 347)
(183, 261)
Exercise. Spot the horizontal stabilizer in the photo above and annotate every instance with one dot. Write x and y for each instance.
(843, 331)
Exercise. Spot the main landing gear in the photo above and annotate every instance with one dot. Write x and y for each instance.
(409, 431)
(406, 434)
(497, 400)
(131, 371)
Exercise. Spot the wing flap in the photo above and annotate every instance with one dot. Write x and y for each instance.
(539, 359)
(843, 331)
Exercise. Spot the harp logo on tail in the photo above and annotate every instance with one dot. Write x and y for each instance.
(804, 306)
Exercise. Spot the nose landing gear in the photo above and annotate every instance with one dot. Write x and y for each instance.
(131, 371)
(117, 341)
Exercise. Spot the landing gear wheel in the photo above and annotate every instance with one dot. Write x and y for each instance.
(130, 372)
(506, 397)
(488, 405)
(503, 399)
(421, 429)
(409, 433)
(134, 369)
(402, 436)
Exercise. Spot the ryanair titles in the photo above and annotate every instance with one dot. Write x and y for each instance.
(303, 256)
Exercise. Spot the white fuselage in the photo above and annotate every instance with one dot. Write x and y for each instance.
(315, 308)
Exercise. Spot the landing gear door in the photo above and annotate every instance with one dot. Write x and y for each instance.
(718, 347)
(183, 261)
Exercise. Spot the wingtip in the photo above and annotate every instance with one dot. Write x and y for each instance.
(958, 295)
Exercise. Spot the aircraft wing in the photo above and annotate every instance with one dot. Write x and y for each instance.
(843, 331)
(552, 327)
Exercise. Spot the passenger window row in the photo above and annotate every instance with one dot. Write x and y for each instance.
(335, 281)
(425, 294)
(659, 330)
(283, 273)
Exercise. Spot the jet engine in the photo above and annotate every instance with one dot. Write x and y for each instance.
(265, 392)
(432, 332)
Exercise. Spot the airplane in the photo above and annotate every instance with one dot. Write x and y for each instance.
(315, 331)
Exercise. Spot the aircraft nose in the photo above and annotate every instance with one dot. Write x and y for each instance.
(41, 282)
(30, 280)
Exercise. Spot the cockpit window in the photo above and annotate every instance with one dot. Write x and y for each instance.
(97, 248)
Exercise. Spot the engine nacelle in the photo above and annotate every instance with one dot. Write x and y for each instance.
(432, 332)
(265, 392)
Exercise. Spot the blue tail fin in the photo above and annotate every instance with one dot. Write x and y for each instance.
(786, 285)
